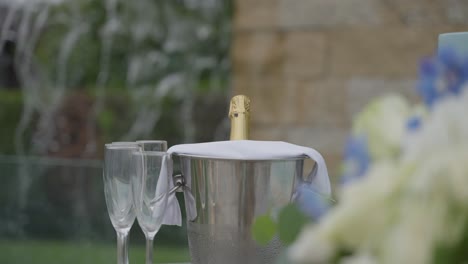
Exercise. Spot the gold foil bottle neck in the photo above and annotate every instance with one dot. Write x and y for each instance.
(239, 113)
(240, 104)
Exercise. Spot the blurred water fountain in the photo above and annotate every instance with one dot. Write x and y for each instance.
(148, 49)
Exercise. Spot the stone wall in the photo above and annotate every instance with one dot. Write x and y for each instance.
(310, 65)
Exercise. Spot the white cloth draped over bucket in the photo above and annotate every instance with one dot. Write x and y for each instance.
(241, 150)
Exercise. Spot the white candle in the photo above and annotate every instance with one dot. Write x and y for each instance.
(457, 41)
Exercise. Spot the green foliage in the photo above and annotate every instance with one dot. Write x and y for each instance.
(45, 252)
(11, 104)
(80, 42)
(120, 110)
(112, 121)
(68, 50)
(455, 251)
(290, 222)
(69, 56)
(264, 229)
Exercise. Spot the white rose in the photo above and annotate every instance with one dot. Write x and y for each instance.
(445, 128)
(365, 207)
(357, 222)
(405, 207)
(383, 122)
(312, 246)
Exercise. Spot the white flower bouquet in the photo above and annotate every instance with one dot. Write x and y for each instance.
(404, 192)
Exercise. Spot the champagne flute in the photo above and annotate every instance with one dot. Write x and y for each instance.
(153, 145)
(149, 145)
(150, 195)
(146, 145)
(118, 175)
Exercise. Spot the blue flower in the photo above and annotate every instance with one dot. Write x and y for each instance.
(356, 159)
(311, 203)
(464, 70)
(454, 73)
(448, 57)
(413, 123)
(429, 73)
(442, 76)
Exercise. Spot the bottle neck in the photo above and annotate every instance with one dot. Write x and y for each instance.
(239, 113)
(240, 126)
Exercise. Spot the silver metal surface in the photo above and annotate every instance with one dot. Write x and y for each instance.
(179, 183)
(223, 198)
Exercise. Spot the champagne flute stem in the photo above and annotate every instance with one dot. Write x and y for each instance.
(149, 250)
(122, 248)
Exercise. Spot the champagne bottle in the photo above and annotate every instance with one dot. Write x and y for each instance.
(239, 113)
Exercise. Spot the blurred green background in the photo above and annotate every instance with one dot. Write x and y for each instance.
(75, 75)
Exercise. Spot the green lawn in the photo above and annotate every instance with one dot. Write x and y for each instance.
(50, 252)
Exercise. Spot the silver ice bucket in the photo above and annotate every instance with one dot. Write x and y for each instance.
(223, 198)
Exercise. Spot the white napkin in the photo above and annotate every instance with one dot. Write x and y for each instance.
(243, 150)
(172, 215)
